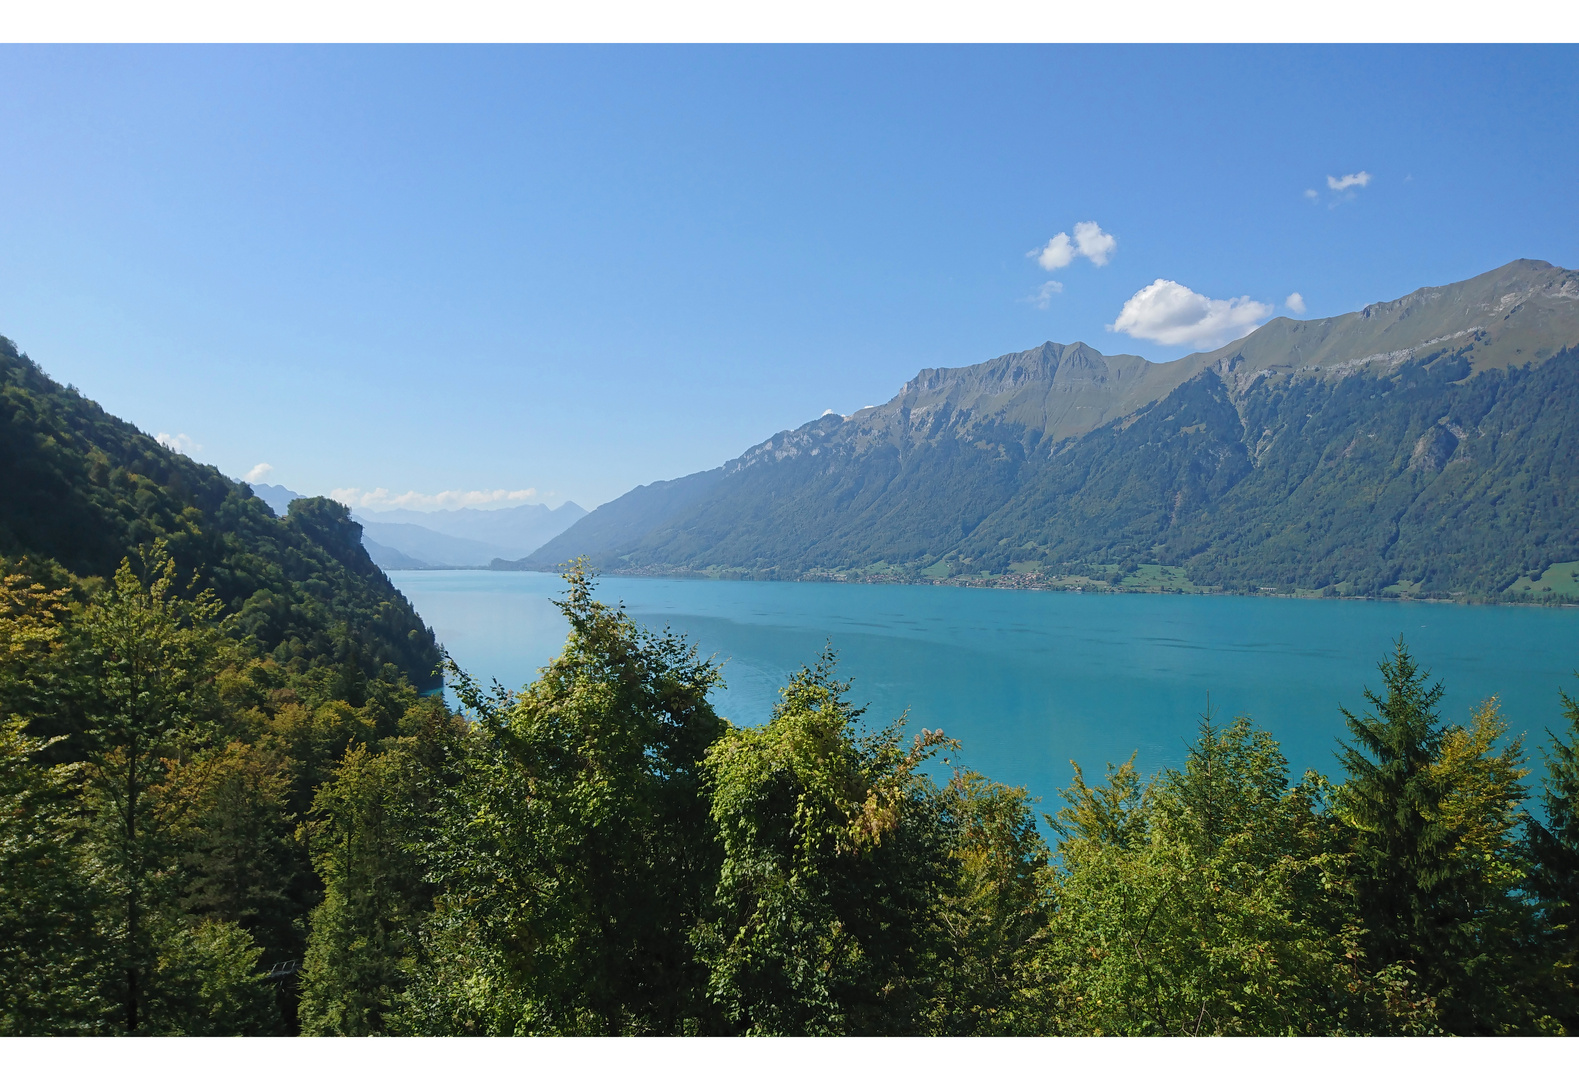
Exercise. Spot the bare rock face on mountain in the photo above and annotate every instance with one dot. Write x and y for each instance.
(1347, 452)
(1523, 312)
(1055, 391)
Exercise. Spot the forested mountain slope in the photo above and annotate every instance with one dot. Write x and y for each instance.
(86, 489)
(623, 521)
(1425, 444)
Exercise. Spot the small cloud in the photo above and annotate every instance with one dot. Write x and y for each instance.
(1090, 242)
(1093, 243)
(830, 412)
(1349, 180)
(1058, 253)
(1312, 194)
(181, 444)
(258, 473)
(1044, 296)
(1170, 314)
(383, 499)
(1295, 303)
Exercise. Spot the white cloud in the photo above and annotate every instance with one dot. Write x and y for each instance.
(258, 473)
(1295, 303)
(181, 444)
(1348, 180)
(1090, 242)
(1093, 243)
(1058, 253)
(1170, 314)
(1044, 296)
(382, 499)
(1312, 194)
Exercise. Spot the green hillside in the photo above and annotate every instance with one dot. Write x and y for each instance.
(1428, 478)
(1423, 445)
(84, 489)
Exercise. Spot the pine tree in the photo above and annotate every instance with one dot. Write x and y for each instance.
(1434, 810)
(1390, 799)
(1553, 850)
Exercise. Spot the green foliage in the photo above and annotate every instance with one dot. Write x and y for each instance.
(834, 862)
(1209, 901)
(600, 853)
(1434, 810)
(148, 658)
(228, 808)
(49, 954)
(85, 490)
(154, 773)
(369, 825)
(205, 981)
(993, 917)
(576, 856)
(1552, 850)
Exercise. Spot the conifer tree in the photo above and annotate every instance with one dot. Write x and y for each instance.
(1553, 849)
(1390, 799)
(1434, 810)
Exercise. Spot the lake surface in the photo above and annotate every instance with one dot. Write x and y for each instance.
(1030, 680)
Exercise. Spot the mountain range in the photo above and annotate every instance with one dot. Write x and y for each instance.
(434, 539)
(1426, 446)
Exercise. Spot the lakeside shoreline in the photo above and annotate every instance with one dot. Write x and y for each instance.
(1021, 582)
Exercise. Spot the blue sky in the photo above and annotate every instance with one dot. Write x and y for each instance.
(568, 271)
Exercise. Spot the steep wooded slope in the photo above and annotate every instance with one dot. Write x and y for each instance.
(85, 489)
(1428, 477)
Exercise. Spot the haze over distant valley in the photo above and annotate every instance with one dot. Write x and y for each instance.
(436, 539)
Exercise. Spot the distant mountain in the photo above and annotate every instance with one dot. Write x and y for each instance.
(275, 497)
(1427, 445)
(427, 540)
(621, 522)
(388, 558)
(415, 543)
(509, 533)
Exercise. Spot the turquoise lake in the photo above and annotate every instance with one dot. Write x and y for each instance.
(1030, 680)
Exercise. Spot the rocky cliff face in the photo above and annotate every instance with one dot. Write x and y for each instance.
(1522, 312)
